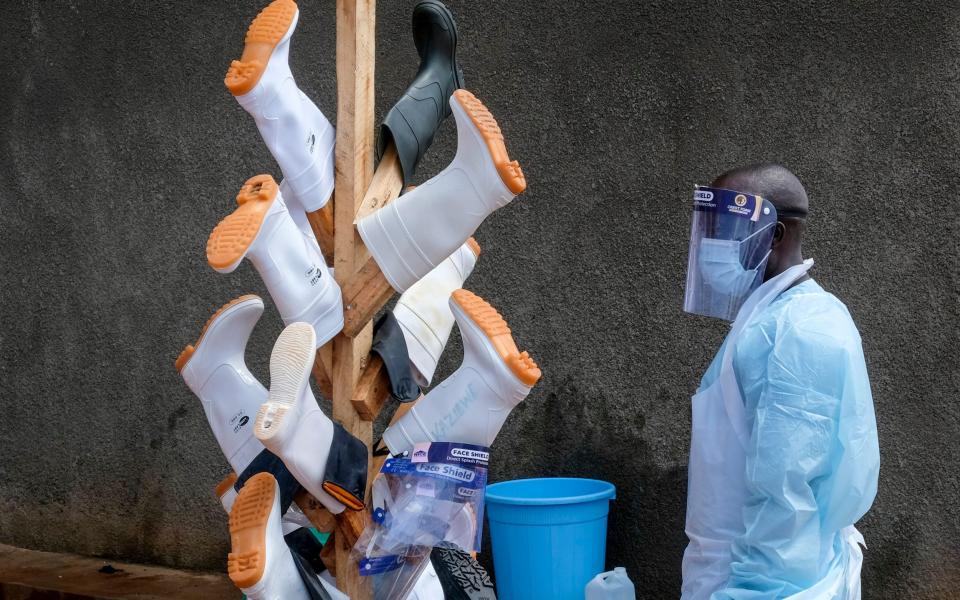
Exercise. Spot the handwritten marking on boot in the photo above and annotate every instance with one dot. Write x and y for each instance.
(459, 409)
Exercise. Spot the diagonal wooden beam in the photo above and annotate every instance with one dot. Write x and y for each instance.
(368, 291)
(363, 296)
(318, 514)
(385, 186)
(373, 389)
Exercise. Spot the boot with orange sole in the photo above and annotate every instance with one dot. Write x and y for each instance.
(298, 135)
(260, 563)
(293, 269)
(413, 234)
(472, 404)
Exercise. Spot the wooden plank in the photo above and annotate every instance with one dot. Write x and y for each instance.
(328, 555)
(323, 370)
(385, 186)
(321, 222)
(314, 510)
(349, 355)
(365, 294)
(373, 389)
(349, 580)
(356, 21)
(82, 578)
(368, 291)
(350, 525)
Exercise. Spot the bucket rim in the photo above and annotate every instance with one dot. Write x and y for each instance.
(608, 492)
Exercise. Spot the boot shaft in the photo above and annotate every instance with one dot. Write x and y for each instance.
(423, 311)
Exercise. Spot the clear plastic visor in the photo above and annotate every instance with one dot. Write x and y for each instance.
(731, 235)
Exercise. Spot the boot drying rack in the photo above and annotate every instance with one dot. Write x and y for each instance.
(344, 369)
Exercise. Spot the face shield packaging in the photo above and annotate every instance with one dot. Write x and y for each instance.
(391, 575)
(430, 496)
(731, 236)
(433, 496)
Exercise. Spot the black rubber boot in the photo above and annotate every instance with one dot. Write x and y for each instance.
(268, 462)
(461, 576)
(414, 119)
(345, 477)
(389, 343)
(310, 577)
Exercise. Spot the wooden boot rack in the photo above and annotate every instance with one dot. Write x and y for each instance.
(344, 369)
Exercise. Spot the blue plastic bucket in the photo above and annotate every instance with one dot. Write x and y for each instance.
(549, 535)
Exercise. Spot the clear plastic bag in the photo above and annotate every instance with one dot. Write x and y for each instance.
(432, 496)
(392, 574)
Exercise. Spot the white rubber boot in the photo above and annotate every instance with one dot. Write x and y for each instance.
(300, 138)
(290, 424)
(471, 405)
(423, 311)
(413, 234)
(300, 218)
(260, 563)
(428, 586)
(292, 520)
(226, 493)
(292, 269)
(214, 369)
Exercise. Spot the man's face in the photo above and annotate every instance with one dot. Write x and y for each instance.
(744, 183)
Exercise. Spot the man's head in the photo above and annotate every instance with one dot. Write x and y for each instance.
(784, 190)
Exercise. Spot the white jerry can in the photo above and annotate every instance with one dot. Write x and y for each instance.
(612, 585)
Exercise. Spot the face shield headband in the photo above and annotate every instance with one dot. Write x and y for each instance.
(731, 237)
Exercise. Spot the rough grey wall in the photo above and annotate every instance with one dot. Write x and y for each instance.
(121, 149)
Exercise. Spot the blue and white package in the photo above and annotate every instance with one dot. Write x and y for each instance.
(432, 496)
(391, 574)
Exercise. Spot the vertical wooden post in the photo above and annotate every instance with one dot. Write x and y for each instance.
(343, 369)
(356, 25)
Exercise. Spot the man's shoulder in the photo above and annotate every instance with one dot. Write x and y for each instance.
(814, 313)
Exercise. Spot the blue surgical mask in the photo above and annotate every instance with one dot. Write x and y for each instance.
(720, 266)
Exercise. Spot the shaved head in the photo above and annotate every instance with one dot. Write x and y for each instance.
(775, 183)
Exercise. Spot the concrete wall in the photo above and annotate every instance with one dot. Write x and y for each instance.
(121, 149)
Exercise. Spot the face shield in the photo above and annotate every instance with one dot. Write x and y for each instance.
(730, 241)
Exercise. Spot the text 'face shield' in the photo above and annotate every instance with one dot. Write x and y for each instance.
(730, 239)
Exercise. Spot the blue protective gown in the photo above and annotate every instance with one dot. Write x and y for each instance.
(813, 458)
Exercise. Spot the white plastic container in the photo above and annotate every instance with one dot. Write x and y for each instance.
(612, 585)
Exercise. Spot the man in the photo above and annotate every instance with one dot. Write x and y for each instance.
(784, 456)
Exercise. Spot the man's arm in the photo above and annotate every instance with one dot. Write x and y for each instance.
(791, 439)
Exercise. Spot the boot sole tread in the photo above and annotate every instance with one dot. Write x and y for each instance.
(495, 327)
(291, 362)
(509, 170)
(248, 530)
(232, 237)
(263, 35)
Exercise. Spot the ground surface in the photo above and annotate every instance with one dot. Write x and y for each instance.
(33, 575)
(120, 149)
